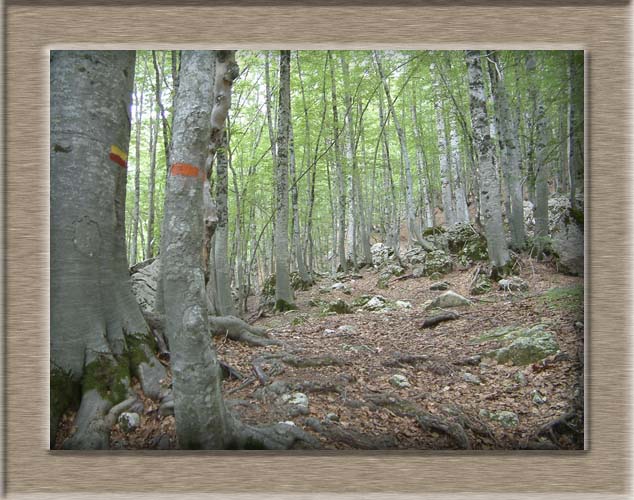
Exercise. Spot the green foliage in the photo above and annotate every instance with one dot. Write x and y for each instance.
(568, 298)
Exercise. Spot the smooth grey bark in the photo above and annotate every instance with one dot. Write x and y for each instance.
(365, 217)
(509, 152)
(98, 335)
(341, 187)
(222, 298)
(283, 291)
(298, 251)
(201, 417)
(412, 225)
(461, 212)
(443, 154)
(489, 186)
(391, 223)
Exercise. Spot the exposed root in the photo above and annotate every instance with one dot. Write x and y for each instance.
(236, 329)
(439, 318)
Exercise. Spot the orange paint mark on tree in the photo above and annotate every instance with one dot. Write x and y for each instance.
(186, 170)
(118, 156)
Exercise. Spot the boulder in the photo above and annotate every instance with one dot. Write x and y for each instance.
(437, 262)
(506, 418)
(567, 242)
(144, 285)
(472, 379)
(449, 299)
(297, 402)
(418, 272)
(468, 244)
(521, 345)
(381, 253)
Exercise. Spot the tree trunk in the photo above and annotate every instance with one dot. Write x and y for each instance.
(222, 298)
(443, 154)
(422, 168)
(154, 126)
(412, 225)
(283, 292)
(201, 417)
(138, 99)
(98, 335)
(159, 101)
(341, 187)
(509, 153)
(461, 211)
(489, 185)
(571, 129)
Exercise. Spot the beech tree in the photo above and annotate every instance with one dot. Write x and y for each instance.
(489, 185)
(99, 338)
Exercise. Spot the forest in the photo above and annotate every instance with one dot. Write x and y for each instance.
(317, 249)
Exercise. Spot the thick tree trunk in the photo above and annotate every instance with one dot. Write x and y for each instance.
(489, 185)
(422, 169)
(98, 335)
(283, 292)
(159, 100)
(571, 129)
(509, 153)
(201, 417)
(138, 99)
(461, 211)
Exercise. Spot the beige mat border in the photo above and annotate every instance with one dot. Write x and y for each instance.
(597, 28)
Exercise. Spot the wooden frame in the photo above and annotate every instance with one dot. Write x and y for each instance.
(35, 27)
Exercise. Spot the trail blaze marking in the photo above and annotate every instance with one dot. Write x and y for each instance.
(118, 156)
(186, 170)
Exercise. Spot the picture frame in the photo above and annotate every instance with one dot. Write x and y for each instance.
(33, 28)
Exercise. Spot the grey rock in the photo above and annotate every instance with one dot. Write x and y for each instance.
(418, 272)
(440, 285)
(129, 421)
(472, 379)
(506, 418)
(333, 417)
(338, 306)
(313, 423)
(537, 397)
(376, 303)
(521, 345)
(399, 381)
(144, 285)
(403, 304)
(449, 299)
(513, 284)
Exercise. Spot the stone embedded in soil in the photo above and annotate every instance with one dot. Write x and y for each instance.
(403, 304)
(333, 417)
(449, 299)
(472, 379)
(418, 272)
(129, 421)
(329, 331)
(506, 418)
(538, 398)
(522, 345)
(347, 329)
(399, 381)
(440, 285)
(375, 303)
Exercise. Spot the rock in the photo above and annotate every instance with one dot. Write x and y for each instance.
(392, 270)
(418, 272)
(449, 299)
(297, 402)
(415, 256)
(376, 303)
(520, 378)
(329, 331)
(278, 387)
(381, 254)
(347, 329)
(333, 417)
(481, 286)
(361, 301)
(288, 422)
(166, 408)
(338, 286)
(399, 381)
(464, 241)
(324, 290)
(567, 244)
(437, 262)
(506, 418)
(129, 421)
(440, 285)
(469, 361)
(513, 284)
(163, 442)
(338, 306)
(144, 285)
(472, 379)
(521, 345)
(403, 304)
(313, 423)
(538, 398)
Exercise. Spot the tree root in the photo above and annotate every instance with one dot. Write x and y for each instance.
(279, 436)
(236, 329)
(434, 320)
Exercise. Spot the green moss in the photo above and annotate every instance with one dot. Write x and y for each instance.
(281, 306)
(577, 215)
(135, 346)
(109, 376)
(65, 392)
(431, 231)
(569, 298)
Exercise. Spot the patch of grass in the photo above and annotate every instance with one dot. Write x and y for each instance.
(567, 299)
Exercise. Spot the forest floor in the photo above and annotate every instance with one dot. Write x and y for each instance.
(344, 364)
